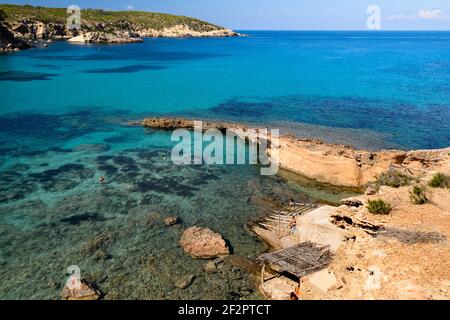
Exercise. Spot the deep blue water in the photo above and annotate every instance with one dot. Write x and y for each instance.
(390, 84)
(61, 115)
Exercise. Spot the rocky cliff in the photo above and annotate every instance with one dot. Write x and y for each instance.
(8, 42)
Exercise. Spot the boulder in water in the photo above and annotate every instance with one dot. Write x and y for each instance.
(83, 291)
(203, 243)
(170, 221)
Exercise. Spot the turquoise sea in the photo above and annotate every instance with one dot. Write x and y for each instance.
(62, 111)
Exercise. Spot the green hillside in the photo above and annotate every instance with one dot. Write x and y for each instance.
(151, 20)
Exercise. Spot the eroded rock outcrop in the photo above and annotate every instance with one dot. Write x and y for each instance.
(30, 30)
(82, 292)
(9, 42)
(185, 31)
(105, 37)
(344, 166)
(203, 243)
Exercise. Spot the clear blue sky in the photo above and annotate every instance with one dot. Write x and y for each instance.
(285, 14)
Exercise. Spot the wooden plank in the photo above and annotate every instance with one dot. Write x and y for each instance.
(280, 217)
(279, 212)
(276, 220)
(299, 260)
(271, 226)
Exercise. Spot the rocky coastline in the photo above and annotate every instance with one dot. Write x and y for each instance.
(23, 33)
(333, 164)
(9, 42)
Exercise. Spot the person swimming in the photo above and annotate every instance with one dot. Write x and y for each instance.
(102, 179)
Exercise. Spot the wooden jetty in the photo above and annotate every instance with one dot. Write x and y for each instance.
(280, 221)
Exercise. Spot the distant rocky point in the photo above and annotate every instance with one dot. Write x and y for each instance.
(22, 26)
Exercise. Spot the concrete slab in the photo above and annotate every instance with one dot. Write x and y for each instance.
(278, 288)
(315, 226)
(322, 280)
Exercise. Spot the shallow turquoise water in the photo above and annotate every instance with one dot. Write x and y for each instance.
(54, 212)
(61, 115)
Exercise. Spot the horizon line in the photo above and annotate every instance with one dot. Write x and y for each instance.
(347, 30)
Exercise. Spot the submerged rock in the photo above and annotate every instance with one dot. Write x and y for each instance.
(84, 292)
(210, 267)
(243, 263)
(185, 282)
(203, 243)
(170, 221)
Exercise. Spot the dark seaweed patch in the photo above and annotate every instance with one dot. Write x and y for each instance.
(205, 176)
(63, 178)
(48, 66)
(108, 169)
(9, 175)
(117, 139)
(14, 186)
(126, 69)
(6, 151)
(79, 218)
(93, 147)
(148, 155)
(148, 166)
(122, 160)
(48, 127)
(22, 76)
(52, 173)
(59, 150)
(146, 55)
(29, 153)
(32, 153)
(184, 193)
(131, 175)
(20, 167)
(170, 185)
(130, 167)
(103, 159)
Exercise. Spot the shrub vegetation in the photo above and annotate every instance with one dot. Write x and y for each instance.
(378, 207)
(153, 20)
(418, 195)
(440, 180)
(394, 178)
